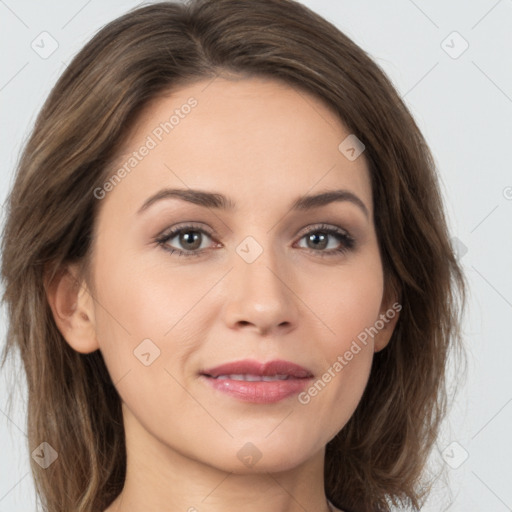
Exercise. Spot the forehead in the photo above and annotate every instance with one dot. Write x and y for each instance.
(260, 139)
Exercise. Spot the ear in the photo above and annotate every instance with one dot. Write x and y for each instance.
(73, 309)
(388, 317)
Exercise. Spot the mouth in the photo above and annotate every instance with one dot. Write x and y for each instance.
(252, 378)
(256, 382)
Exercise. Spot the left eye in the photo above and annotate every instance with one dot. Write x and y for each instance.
(320, 239)
(188, 236)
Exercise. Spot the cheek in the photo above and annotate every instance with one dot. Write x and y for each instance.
(348, 303)
(145, 333)
(349, 308)
(141, 310)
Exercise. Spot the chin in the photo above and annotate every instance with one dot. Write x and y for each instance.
(263, 456)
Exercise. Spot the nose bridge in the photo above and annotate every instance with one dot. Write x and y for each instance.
(259, 265)
(260, 291)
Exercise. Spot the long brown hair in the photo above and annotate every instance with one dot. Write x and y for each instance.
(378, 459)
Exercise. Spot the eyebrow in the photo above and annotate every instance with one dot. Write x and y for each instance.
(221, 202)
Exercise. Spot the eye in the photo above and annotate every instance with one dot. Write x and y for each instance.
(190, 238)
(317, 239)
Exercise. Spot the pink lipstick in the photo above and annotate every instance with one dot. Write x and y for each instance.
(252, 381)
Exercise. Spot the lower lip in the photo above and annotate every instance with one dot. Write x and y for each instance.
(260, 392)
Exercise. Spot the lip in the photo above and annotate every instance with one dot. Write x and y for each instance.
(295, 379)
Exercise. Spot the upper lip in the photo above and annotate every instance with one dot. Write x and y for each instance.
(252, 367)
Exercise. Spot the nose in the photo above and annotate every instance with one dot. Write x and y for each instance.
(261, 297)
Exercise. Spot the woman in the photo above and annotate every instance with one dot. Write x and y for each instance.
(228, 271)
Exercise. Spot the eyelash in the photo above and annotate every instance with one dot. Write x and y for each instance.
(347, 241)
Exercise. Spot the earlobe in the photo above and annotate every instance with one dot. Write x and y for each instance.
(388, 318)
(73, 309)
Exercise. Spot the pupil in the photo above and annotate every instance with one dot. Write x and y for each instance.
(188, 240)
(315, 238)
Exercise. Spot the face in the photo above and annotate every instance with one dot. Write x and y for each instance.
(280, 292)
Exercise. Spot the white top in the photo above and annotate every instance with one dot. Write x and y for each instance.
(334, 509)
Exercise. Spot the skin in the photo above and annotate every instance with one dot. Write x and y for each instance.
(263, 144)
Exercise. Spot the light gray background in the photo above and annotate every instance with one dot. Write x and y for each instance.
(463, 105)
